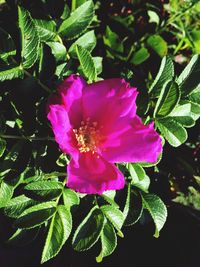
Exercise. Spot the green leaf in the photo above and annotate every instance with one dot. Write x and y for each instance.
(87, 41)
(139, 177)
(45, 190)
(58, 50)
(168, 99)
(108, 241)
(78, 21)
(158, 44)
(195, 111)
(157, 210)
(46, 29)
(172, 131)
(11, 72)
(17, 205)
(112, 40)
(58, 233)
(195, 34)
(87, 63)
(6, 192)
(165, 73)
(88, 232)
(133, 208)
(98, 64)
(189, 79)
(140, 56)
(153, 17)
(195, 96)
(115, 216)
(29, 38)
(182, 115)
(2, 146)
(70, 198)
(109, 196)
(36, 215)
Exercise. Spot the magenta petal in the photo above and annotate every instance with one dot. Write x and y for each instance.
(62, 129)
(71, 95)
(107, 100)
(93, 175)
(140, 143)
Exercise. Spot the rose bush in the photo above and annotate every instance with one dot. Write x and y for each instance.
(81, 148)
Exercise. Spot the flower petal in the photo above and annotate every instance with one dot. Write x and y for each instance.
(93, 175)
(71, 95)
(105, 101)
(62, 129)
(140, 143)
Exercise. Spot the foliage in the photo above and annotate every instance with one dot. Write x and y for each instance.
(36, 53)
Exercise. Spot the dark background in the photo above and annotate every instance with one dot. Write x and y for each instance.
(177, 246)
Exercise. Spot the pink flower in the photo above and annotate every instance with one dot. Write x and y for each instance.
(97, 125)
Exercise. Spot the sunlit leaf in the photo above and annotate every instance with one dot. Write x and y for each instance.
(157, 210)
(88, 232)
(58, 233)
(29, 38)
(78, 21)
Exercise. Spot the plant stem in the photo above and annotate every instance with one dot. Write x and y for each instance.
(30, 138)
(73, 6)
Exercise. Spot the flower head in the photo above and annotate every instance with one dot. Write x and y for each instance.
(96, 124)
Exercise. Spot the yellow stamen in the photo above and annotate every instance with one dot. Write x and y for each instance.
(87, 136)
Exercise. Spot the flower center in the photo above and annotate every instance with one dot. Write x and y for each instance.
(87, 136)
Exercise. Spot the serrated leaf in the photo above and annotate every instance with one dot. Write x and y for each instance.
(195, 111)
(140, 56)
(78, 21)
(45, 190)
(87, 41)
(46, 29)
(157, 210)
(2, 146)
(58, 233)
(172, 131)
(195, 96)
(17, 205)
(189, 79)
(29, 38)
(87, 63)
(6, 192)
(112, 40)
(165, 73)
(182, 115)
(168, 99)
(133, 208)
(98, 64)
(109, 197)
(108, 241)
(115, 216)
(139, 177)
(88, 232)
(11, 72)
(36, 215)
(70, 198)
(158, 44)
(58, 50)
